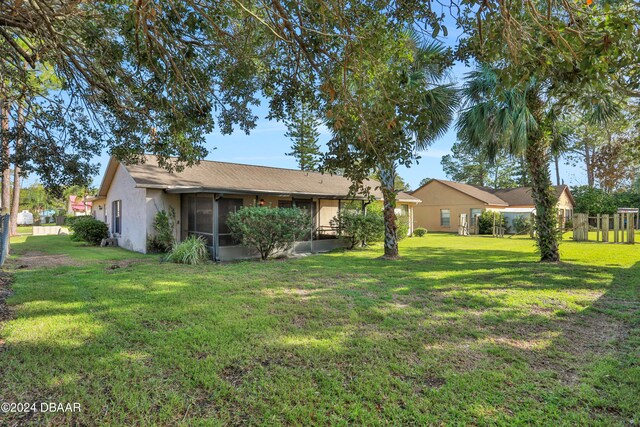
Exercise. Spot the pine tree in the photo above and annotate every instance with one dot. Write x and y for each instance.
(471, 166)
(303, 131)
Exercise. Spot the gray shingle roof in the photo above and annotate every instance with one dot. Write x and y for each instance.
(234, 177)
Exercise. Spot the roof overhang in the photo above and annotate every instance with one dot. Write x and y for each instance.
(250, 192)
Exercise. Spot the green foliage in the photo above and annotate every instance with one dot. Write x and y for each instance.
(88, 229)
(471, 166)
(303, 131)
(402, 222)
(597, 201)
(522, 224)
(486, 221)
(193, 251)
(268, 229)
(163, 225)
(420, 232)
(359, 227)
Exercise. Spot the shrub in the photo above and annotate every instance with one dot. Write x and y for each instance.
(88, 229)
(522, 224)
(193, 250)
(419, 232)
(402, 222)
(69, 220)
(268, 229)
(359, 227)
(163, 224)
(486, 219)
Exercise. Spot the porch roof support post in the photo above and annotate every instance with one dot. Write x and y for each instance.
(216, 234)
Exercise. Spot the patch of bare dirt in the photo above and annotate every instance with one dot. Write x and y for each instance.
(36, 259)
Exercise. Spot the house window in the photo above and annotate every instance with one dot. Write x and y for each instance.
(116, 211)
(402, 210)
(445, 218)
(284, 203)
(225, 207)
(474, 214)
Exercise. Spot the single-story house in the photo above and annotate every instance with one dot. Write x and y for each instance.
(202, 196)
(443, 202)
(78, 206)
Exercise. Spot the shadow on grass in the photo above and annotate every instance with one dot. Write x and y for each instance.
(509, 338)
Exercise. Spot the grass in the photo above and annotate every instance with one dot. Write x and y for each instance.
(459, 331)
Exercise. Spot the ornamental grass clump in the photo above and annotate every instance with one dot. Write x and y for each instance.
(193, 251)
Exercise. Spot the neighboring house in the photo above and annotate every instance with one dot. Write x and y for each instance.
(78, 206)
(203, 195)
(442, 203)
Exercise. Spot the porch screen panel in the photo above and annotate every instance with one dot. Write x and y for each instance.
(308, 207)
(200, 217)
(225, 207)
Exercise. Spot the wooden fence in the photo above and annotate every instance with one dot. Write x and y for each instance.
(621, 224)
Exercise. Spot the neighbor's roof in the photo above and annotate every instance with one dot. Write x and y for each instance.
(520, 196)
(221, 177)
(474, 191)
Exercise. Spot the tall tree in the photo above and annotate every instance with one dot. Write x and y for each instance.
(496, 118)
(471, 166)
(303, 131)
(401, 107)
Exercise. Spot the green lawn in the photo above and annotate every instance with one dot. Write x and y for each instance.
(459, 331)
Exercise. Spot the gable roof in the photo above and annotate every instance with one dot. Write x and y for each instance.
(520, 196)
(479, 193)
(221, 177)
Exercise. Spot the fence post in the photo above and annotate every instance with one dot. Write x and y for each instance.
(4, 238)
(605, 228)
(616, 227)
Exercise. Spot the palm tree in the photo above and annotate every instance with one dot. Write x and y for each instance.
(431, 105)
(498, 117)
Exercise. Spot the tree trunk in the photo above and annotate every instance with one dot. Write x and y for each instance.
(15, 202)
(556, 160)
(6, 171)
(588, 164)
(387, 180)
(543, 195)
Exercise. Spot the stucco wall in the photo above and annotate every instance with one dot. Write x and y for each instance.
(156, 201)
(436, 196)
(134, 217)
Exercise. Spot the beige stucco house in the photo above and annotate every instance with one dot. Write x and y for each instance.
(203, 195)
(443, 202)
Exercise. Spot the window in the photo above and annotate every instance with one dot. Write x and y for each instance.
(116, 212)
(474, 214)
(445, 218)
(225, 207)
(402, 210)
(284, 203)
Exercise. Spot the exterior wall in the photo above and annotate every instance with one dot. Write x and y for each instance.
(134, 217)
(327, 211)
(437, 196)
(565, 208)
(156, 201)
(98, 209)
